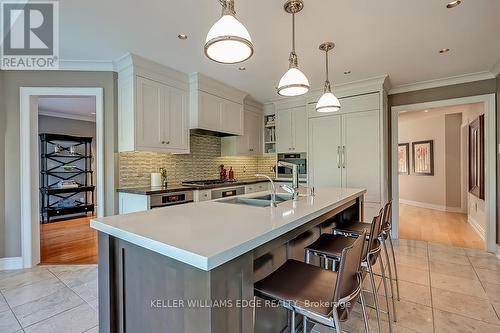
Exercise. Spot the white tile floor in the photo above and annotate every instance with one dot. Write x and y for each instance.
(443, 289)
(49, 299)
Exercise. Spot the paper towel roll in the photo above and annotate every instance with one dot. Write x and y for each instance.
(155, 179)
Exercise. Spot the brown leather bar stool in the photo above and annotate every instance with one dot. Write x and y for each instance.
(354, 228)
(320, 295)
(330, 246)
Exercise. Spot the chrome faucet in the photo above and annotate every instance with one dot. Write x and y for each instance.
(273, 193)
(294, 189)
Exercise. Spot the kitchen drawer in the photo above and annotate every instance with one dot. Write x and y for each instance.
(259, 187)
(250, 188)
(202, 195)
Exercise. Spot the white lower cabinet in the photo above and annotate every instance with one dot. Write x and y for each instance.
(258, 187)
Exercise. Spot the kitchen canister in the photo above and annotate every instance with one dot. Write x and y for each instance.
(156, 179)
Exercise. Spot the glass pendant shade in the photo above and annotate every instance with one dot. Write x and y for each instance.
(228, 41)
(328, 103)
(293, 83)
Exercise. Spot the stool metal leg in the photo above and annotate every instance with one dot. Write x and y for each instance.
(386, 294)
(363, 310)
(336, 321)
(304, 325)
(374, 289)
(395, 265)
(389, 270)
(292, 322)
(308, 257)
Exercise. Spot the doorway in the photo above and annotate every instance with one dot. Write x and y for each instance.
(61, 174)
(429, 178)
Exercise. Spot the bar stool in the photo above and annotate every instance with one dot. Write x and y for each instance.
(354, 228)
(330, 246)
(315, 293)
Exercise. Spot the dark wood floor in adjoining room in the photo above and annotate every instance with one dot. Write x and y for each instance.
(68, 242)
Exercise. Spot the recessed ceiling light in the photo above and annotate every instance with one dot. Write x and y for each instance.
(453, 4)
(182, 36)
(92, 112)
(347, 72)
(426, 111)
(444, 50)
(242, 68)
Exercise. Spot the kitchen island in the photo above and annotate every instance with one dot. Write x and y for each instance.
(191, 268)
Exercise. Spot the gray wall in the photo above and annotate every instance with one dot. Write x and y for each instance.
(498, 160)
(483, 87)
(12, 80)
(453, 124)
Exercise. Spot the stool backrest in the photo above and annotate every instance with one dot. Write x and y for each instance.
(386, 224)
(350, 265)
(375, 231)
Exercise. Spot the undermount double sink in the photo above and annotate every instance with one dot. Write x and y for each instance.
(258, 201)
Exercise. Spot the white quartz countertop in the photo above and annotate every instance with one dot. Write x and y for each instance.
(210, 233)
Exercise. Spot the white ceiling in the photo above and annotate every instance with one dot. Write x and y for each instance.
(73, 107)
(400, 38)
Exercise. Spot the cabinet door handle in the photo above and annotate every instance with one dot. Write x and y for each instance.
(338, 157)
(343, 157)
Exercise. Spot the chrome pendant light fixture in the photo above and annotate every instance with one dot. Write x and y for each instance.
(328, 102)
(228, 41)
(294, 82)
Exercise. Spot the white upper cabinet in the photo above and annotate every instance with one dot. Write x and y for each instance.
(250, 143)
(291, 130)
(152, 107)
(215, 106)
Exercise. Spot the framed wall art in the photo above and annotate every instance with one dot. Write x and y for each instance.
(423, 158)
(476, 157)
(404, 158)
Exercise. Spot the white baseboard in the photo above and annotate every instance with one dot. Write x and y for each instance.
(477, 227)
(431, 206)
(11, 263)
(498, 251)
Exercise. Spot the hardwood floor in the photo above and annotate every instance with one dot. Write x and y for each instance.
(437, 227)
(68, 242)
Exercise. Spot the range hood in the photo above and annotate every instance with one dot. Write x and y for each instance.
(215, 108)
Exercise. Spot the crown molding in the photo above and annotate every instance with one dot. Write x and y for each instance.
(48, 113)
(343, 90)
(466, 78)
(496, 68)
(84, 65)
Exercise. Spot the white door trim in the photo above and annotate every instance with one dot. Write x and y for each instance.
(490, 158)
(30, 225)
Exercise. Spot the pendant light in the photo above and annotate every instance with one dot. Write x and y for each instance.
(294, 82)
(328, 102)
(228, 41)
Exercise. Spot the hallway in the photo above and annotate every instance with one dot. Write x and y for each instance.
(437, 227)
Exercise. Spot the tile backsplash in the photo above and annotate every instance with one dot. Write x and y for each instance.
(202, 163)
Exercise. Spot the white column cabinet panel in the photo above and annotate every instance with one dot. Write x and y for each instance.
(151, 113)
(209, 111)
(291, 130)
(361, 153)
(231, 115)
(299, 126)
(284, 140)
(175, 135)
(324, 151)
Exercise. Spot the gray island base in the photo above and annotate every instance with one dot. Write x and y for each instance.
(143, 289)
